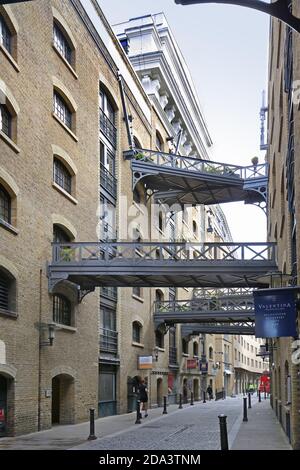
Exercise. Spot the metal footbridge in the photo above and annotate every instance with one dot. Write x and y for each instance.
(143, 264)
(176, 179)
(210, 311)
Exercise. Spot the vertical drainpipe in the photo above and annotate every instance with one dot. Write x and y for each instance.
(125, 114)
(40, 353)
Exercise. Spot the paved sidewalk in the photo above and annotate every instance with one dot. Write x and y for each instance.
(194, 427)
(262, 431)
(67, 436)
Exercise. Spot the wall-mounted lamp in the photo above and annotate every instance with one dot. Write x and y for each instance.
(50, 329)
(155, 353)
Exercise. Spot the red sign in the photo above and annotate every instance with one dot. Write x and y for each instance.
(264, 383)
(2, 414)
(191, 363)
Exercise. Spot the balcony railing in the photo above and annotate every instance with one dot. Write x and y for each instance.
(108, 128)
(108, 181)
(148, 252)
(108, 341)
(180, 162)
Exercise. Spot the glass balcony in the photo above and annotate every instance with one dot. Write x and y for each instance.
(108, 128)
(108, 341)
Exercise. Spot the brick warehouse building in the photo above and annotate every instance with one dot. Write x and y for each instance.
(283, 158)
(50, 182)
(61, 168)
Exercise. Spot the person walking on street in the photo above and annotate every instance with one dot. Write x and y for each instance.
(209, 392)
(143, 392)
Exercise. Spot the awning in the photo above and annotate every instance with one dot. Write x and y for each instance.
(227, 371)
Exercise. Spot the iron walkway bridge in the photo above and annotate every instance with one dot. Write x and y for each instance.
(126, 264)
(196, 329)
(226, 309)
(185, 180)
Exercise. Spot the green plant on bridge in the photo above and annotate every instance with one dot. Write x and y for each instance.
(67, 253)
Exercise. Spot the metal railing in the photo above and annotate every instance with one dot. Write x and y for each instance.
(221, 292)
(108, 340)
(180, 162)
(148, 252)
(108, 128)
(108, 181)
(238, 304)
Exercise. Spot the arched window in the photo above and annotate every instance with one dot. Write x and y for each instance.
(62, 43)
(159, 296)
(62, 176)
(195, 227)
(137, 291)
(5, 120)
(211, 353)
(61, 310)
(159, 142)
(61, 110)
(5, 35)
(137, 143)
(159, 339)
(108, 117)
(7, 291)
(195, 348)
(136, 332)
(185, 346)
(5, 205)
(60, 235)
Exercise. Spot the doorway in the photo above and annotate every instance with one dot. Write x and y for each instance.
(63, 398)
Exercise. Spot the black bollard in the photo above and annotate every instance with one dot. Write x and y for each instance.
(92, 436)
(259, 397)
(204, 397)
(223, 432)
(249, 400)
(138, 412)
(165, 406)
(180, 401)
(245, 409)
(192, 398)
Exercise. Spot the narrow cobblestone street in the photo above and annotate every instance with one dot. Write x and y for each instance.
(192, 428)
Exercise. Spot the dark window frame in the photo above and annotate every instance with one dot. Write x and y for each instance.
(62, 43)
(61, 110)
(5, 205)
(62, 310)
(7, 292)
(62, 176)
(5, 36)
(136, 332)
(6, 120)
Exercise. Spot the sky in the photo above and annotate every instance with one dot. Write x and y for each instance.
(226, 50)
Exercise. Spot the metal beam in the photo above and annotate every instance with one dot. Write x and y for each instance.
(278, 9)
(197, 329)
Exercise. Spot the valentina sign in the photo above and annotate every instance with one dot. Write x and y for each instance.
(275, 313)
